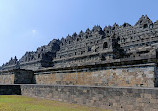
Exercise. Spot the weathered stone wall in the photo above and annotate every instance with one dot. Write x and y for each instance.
(31, 65)
(143, 75)
(117, 99)
(134, 75)
(17, 76)
(6, 78)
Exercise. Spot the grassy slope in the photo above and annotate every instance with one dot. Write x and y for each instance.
(21, 103)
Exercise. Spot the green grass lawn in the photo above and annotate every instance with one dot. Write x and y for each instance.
(22, 103)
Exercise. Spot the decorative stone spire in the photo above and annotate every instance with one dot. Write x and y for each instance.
(88, 31)
(81, 33)
(126, 25)
(74, 34)
(97, 28)
(143, 20)
(15, 58)
(115, 26)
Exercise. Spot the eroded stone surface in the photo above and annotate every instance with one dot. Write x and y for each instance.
(17, 76)
(116, 99)
(128, 76)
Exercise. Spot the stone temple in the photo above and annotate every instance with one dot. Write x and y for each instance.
(123, 44)
(94, 65)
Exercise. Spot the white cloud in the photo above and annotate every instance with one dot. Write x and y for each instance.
(34, 31)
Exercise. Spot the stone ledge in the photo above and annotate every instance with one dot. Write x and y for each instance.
(114, 87)
(93, 67)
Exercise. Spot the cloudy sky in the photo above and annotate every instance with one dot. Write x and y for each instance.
(28, 24)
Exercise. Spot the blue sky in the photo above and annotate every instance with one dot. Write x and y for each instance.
(28, 24)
